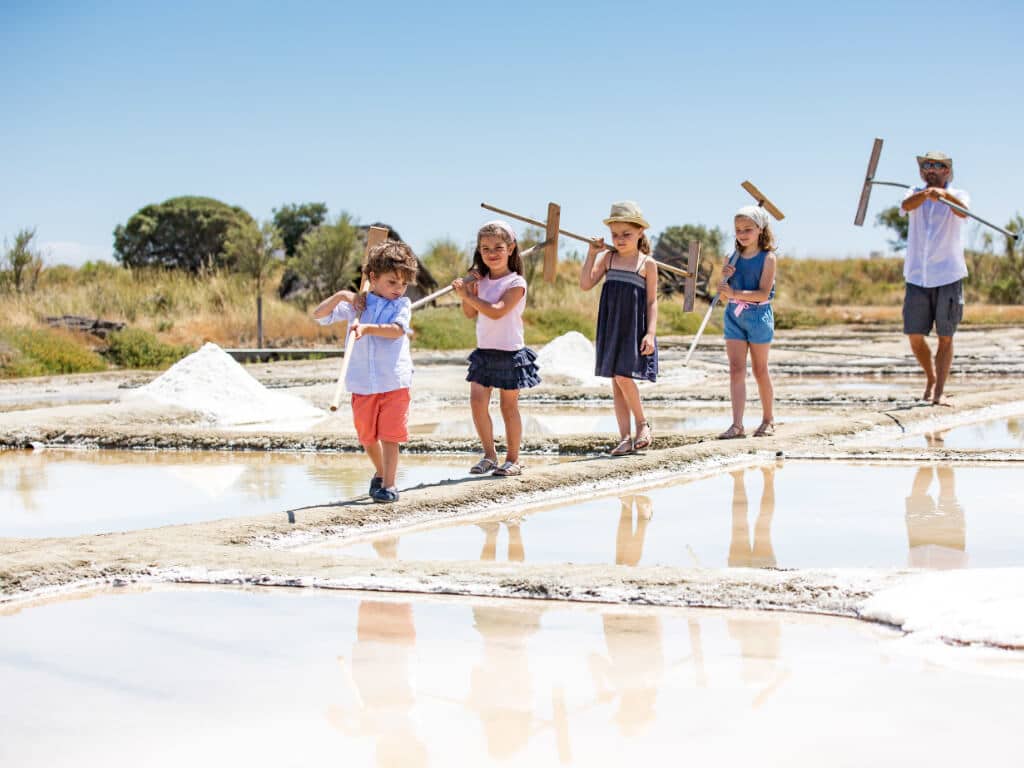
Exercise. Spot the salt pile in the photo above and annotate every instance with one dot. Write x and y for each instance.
(211, 383)
(570, 357)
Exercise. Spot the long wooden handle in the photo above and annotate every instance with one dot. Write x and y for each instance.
(350, 343)
(707, 316)
(375, 236)
(582, 238)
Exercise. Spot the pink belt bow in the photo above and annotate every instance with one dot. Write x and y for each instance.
(740, 306)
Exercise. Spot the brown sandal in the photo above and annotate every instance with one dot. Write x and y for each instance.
(767, 429)
(624, 448)
(733, 432)
(644, 438)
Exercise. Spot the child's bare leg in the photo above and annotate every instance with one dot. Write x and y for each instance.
(765, 390)
(479, 402)
(631, 399)
(509, 399)
(516, 549)
(621, 408)
(943, 364)
(376, 454)
(739, 542)
(736, 350)
(923, 353)
(763, 553)
(389, 453)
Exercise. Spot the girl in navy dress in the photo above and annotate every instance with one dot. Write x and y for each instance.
(501, 360)
(627, 318)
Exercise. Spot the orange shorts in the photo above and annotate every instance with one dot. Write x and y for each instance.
(383, 416)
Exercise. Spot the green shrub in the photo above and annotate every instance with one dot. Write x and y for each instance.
(672, 321)
(793, 317)
(443, 328)
(43, 351)
(135, 348)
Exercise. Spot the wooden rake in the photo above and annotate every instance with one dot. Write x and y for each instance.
(374, 237)
(765, 203)
(552, 230)
(869, 181)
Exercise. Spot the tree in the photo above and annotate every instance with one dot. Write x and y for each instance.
(673, 247)
(296, 220)
(24, 261)
(255, 252)
(898, 222)
(180, 233)
(446, 260)
(330, 256)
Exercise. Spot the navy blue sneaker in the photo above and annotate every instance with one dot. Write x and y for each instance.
(385, 495)
(375, 485)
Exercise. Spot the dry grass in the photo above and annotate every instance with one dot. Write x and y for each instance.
(184, 310)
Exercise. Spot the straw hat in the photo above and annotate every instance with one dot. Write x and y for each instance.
(627, 212)
(936, 157)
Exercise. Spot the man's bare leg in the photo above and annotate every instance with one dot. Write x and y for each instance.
(943, 364)
(923, 353)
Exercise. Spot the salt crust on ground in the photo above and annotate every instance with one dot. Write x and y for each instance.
(970, 606)
(211, 383)
(571, 357)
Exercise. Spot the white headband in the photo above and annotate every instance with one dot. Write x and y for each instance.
(503, 226)
(756, 214)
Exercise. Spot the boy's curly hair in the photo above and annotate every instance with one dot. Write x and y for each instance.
(392, 256)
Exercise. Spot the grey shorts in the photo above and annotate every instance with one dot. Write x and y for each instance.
(942, 306)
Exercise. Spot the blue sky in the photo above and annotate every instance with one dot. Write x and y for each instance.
(414, 113)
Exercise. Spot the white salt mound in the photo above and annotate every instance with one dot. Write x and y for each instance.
(570, 357)
(212, 383)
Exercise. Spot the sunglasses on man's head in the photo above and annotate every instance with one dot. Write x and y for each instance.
(930, 165)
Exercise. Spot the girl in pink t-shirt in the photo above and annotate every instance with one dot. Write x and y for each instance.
(501, 360)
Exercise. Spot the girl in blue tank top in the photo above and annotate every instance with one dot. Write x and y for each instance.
(748, 283)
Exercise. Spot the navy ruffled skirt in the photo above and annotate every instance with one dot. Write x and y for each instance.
(504, 369)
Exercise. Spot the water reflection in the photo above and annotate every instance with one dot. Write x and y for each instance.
(470, 681)
(742, 552)
(797, 515)
(629, 538)
(56, 492)
(500, 684)
(936, 528)
(381, 684)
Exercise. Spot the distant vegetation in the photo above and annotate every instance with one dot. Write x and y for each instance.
(192, 270)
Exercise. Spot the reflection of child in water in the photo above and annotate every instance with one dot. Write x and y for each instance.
(936, 532)
(629, 541)
(516, 552)
(742, 553)
(633, 670)
(385, 638)
(501, 691)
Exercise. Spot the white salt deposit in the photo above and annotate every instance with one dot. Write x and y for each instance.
(571, 357)
(210, 382)
(975, 606)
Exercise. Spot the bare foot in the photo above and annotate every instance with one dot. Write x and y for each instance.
(928, 390)
(943, 401)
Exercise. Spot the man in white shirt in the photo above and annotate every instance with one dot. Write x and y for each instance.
(934, 269)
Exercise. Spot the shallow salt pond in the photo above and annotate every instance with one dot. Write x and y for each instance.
(278, 678)
(996, 434)
(801, 514)
(69, 493)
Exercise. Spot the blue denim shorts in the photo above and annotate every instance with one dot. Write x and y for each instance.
(755, 325)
